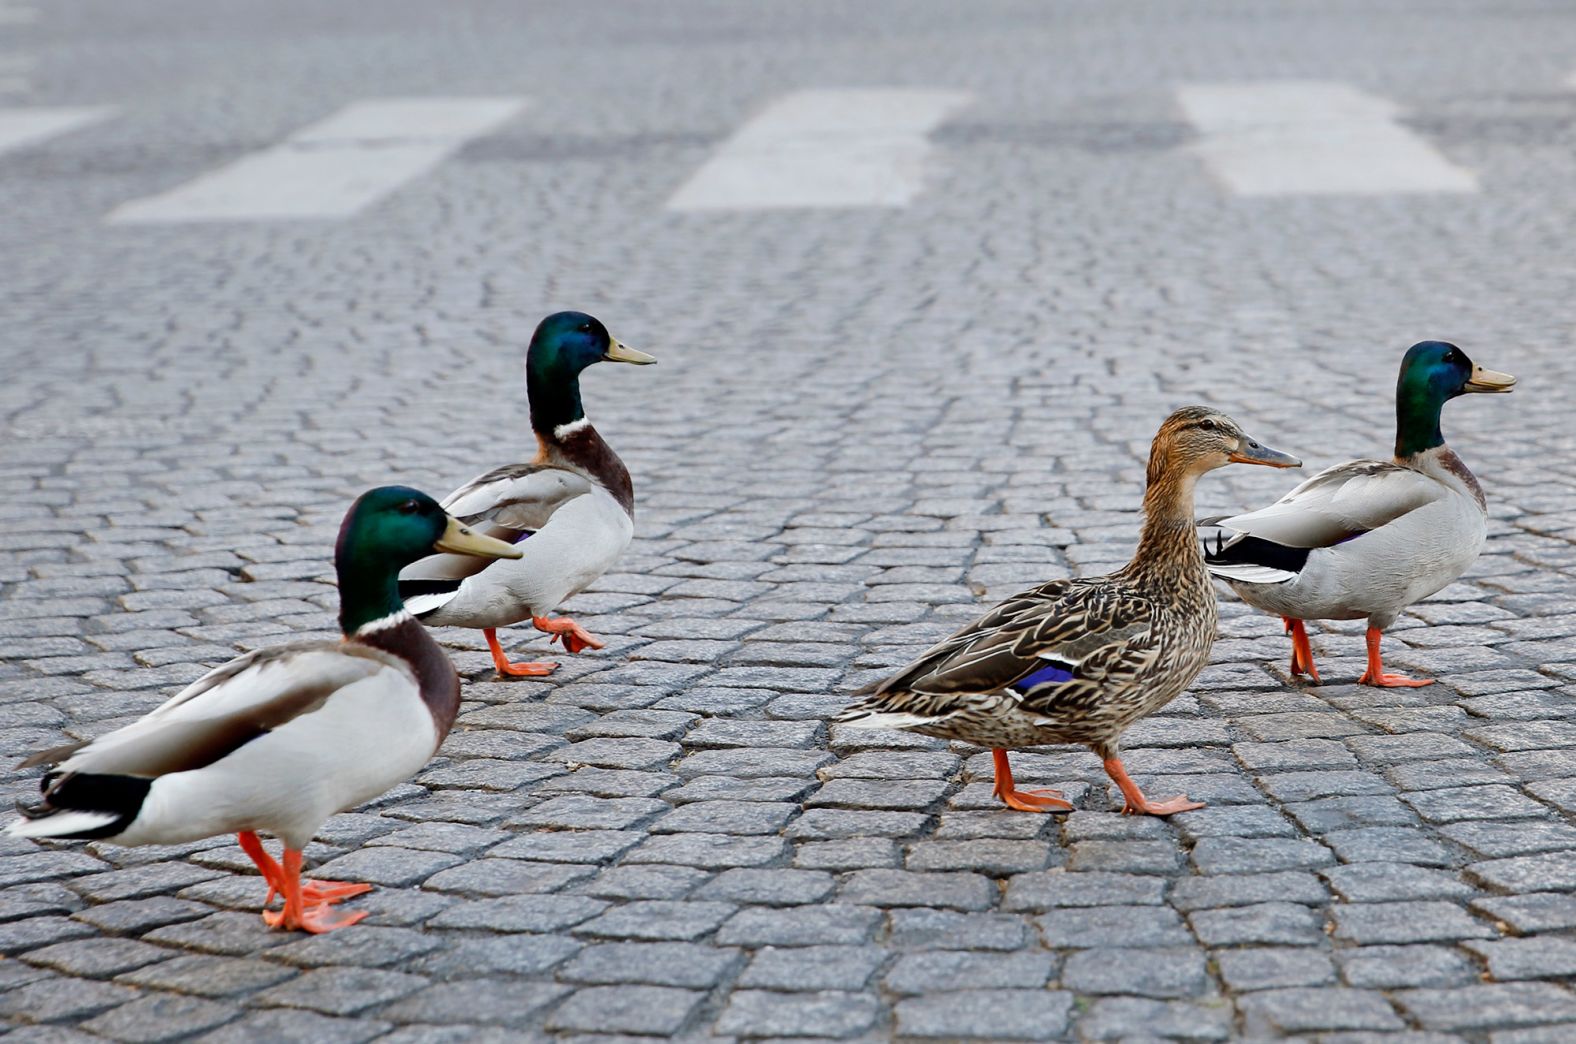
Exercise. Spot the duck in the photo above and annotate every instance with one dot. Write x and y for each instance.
(571, 509)
(1367, 538)
(284, 737)
(1079, 660)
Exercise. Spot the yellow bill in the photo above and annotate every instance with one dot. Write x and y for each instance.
(617, 351)
(1489, 380)
(460, 539)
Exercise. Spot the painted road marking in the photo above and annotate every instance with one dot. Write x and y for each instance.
(333, 168)
(1293, 137)
(824, 148)
(29, 126)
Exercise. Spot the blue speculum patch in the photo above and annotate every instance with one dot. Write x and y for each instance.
(1041, 677)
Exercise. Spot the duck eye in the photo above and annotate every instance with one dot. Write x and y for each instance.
(1208, 425)
(585, 327)
(410, 507)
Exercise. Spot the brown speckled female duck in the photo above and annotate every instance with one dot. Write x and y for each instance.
(1078, 661)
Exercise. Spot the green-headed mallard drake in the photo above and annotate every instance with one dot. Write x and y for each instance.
(1369, 537)
(1078, 661)
(283, 738)
(571, 510)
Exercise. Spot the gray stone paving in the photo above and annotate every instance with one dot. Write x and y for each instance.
(864, 425)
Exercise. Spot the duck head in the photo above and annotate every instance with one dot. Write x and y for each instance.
(1432, 373)
(1196, 439)
(386, 529)
(564, 344)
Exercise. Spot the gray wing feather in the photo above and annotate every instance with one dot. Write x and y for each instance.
(1337, 504)
(223, 710)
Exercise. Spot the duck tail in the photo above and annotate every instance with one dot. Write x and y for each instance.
(1250, 559)
(886, 713)
(82, 806)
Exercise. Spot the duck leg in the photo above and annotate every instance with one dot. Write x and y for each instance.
(1024, 800)
(1301, 651)
(316, 918)
(575, 637)
(524, 669)
(312, 892)
(1375, 674)
(1135, 803)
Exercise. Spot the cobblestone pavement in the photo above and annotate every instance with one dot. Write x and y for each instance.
(865, 423)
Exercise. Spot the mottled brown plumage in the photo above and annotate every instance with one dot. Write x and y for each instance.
(1078, 661)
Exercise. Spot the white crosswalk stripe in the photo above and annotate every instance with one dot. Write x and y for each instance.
(1285, 138)
(333, 168)
(21, 127)
(824, 148)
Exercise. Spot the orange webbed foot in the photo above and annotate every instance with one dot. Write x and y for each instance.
(298, 914)
(326, 893)
(1377, 676)
(1166, 807)
(523, 669)
(1392, 681)
(322, 892)
(315, 919)
(1134, 801)
(575, 637)
(1035, 800)
(1024, 800)
(526, 668)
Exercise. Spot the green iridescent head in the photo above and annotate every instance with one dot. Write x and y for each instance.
(1433, 372)
(384, 531)
(564, 344)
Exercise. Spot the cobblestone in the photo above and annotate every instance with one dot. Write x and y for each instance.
(814, 968)
(657, 964)
(1390, 967)
(1171, 972)
(626, 1009)
(999, 1014)
(1262, 968)
(831, 1014)
(1326, 1008)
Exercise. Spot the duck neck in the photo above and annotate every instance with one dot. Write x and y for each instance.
(554, 394)
(564, 435)
(1417, 409)
(1169, 542)
(368, 591)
